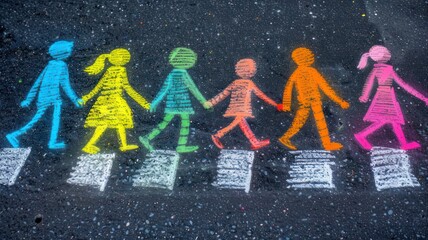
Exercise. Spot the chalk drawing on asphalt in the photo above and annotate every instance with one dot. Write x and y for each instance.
(234, 169)
(92, 170)
(11, 162)
(159, 170)
(391, 168)
(312, 169)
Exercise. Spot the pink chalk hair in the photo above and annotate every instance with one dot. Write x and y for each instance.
(377, 53)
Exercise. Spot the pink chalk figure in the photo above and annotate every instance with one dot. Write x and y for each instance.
(384, 108)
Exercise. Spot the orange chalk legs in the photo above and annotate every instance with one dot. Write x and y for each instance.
(299, 120)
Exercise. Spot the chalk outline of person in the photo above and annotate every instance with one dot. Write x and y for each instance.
(112, 109)
(383, 73)
(47, 89)
(176, 89)
(240, 107)
(307, 78)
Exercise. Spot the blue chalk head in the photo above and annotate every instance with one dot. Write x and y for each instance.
(61, 49)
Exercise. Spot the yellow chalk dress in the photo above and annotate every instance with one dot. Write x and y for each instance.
(110, 109)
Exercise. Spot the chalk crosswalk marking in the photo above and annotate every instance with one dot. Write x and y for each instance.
(312, 169)
(391, 168)
(11, 162)
(92, 170)
(234, 169)
(159, 170)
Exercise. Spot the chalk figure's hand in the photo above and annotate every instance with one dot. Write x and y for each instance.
(207, 105)
(363, 99)
(280, 107)
(152, 108)
(85, 99)
(25, 103)
(79, 103)
(344, 105)
(286, 108)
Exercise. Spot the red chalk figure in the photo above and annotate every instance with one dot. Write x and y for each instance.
(384, 108)
(240, 103)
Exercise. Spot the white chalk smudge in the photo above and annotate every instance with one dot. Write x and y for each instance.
(312, 169)
(92, 170)
(158, 170)
(234, 169)
(11, 162)
(391, 168)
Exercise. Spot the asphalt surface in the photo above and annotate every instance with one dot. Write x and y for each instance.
(41, 205)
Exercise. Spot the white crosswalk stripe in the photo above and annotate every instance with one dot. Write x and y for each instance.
(159, 170)
(312, 169)
(391, 168)
(92, 170)
(11, 162)
(234, 169)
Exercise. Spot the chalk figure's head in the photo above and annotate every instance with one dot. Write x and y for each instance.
(377, 53)
(61, 49)
(303, 56)
(246, 68)
(117, 57)
(182, 58)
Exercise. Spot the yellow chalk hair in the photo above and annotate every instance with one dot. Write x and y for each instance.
(98, 65)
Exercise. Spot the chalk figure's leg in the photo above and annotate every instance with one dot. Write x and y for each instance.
(299, 120)
(90, 146)
(362, 136)
(184, 135)
(255, 143)
(216, 137)
(121, 132)
(398, 130)
(56, 118)
(145, 140)
(12, 137)
(323, 130)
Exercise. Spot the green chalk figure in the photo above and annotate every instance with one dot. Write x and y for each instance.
(176, 90)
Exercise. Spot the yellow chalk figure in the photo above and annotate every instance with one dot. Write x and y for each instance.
(110, 109)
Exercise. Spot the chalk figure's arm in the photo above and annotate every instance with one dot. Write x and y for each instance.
(65, 84)
(327, 89)
(193, 89)
(368, 86)
(409, 88)
(34, 89)
(263, 96)
(97, 88)
(220, 97)
(161, 94)
(134, 94)
(288, 91)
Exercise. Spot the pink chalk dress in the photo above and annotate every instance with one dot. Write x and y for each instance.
(384, 107)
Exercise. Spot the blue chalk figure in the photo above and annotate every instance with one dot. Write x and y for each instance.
(47, 88)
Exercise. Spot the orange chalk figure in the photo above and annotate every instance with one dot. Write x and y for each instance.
(308, 83)
(240, 103)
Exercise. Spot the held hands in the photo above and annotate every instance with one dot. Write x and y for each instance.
(280, 107)
(152, 108)
(79, 103)
(207, 105)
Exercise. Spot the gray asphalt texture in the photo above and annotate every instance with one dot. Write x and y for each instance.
(41, 205)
